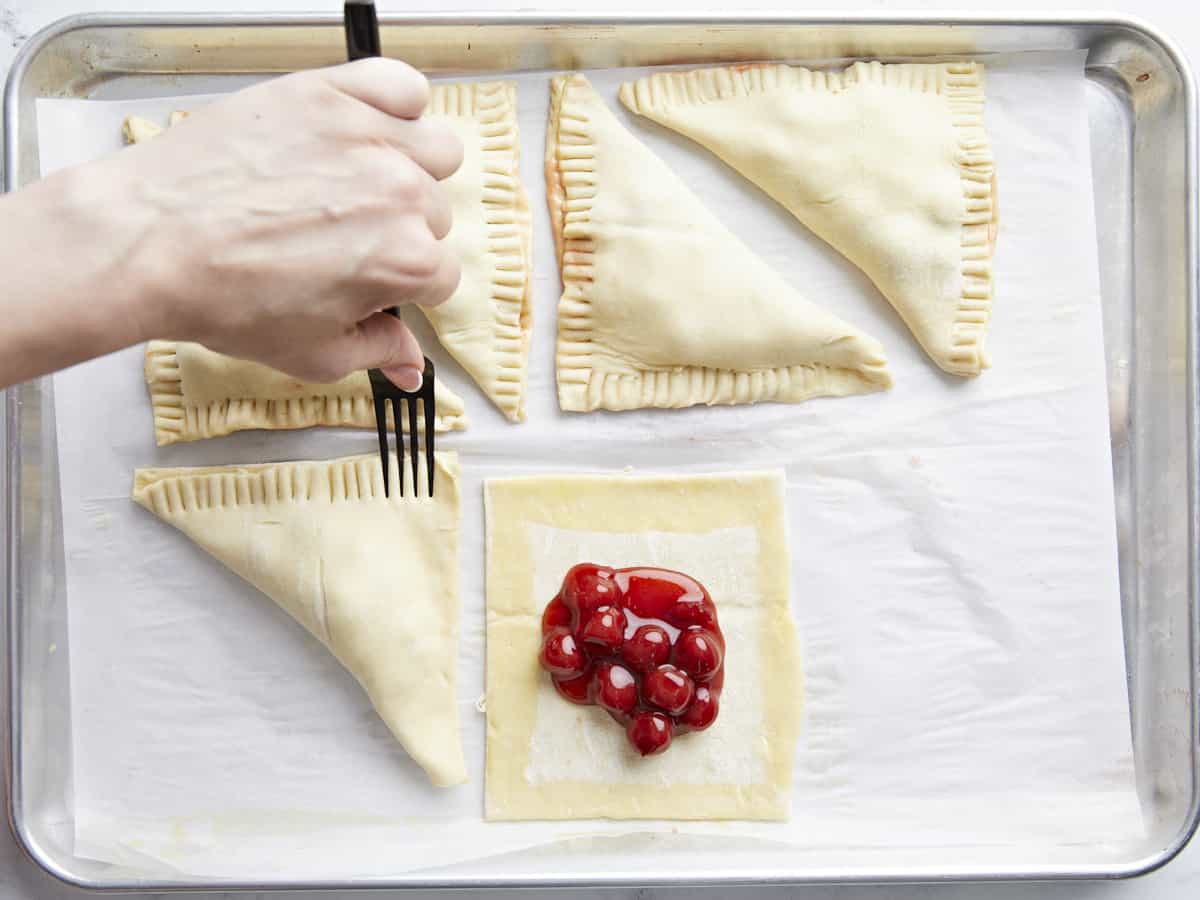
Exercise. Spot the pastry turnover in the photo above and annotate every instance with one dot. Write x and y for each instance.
(888, 163)
(196, 393)
(662, 306)
(375, 579)
(486, 324)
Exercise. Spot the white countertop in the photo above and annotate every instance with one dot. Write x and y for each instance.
(1179, 19)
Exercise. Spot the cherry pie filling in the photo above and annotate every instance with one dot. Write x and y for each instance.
(643, 644)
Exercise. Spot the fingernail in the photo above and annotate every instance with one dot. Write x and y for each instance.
(407, 378)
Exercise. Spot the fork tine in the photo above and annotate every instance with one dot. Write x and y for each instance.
(397, 419)
(427, 404)
(413, 438)
(381, 427)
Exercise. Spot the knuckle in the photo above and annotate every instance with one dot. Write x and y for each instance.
(452, 277)
(452, 154)
(441, 219)
(407, 185)
(422, 256)
(394, 353)
(412, 86)
(409, 88)
(439, 146)
(417, 90)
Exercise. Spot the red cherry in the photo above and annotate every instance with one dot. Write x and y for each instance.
(556, 614)
(587, 587)
(561, 655)
(604, 631)
(691, 611)
(615, 689)
(647, 649)
(577, 690)
(649, 732)
(668, 688)
(702, 712)
(652, 593)
(653, 685)
(698, 653)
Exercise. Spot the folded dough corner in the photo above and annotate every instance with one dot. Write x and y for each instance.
(375, 579)
(890, 164)
(662, 305)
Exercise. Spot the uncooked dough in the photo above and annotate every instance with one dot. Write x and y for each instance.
(375, 579)
(196, 393)
(547, 759)
(890, 164)
(662, 306)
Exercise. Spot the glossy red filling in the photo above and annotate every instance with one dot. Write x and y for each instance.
(643, 643)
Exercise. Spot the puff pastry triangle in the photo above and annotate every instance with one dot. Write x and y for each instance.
(663, 306)
(888, 163)
(375, 579)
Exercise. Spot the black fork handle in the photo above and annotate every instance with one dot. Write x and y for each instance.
(362, 30)
(362, 41)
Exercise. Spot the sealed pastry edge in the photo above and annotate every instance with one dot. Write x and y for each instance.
(493, 104)
(350, 479)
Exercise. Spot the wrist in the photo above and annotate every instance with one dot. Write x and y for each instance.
(109, 227)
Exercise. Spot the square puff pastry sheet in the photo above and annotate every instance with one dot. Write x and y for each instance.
(485, 325)
(374, 579)
(688, 781)
(662, 306)
(890, 164)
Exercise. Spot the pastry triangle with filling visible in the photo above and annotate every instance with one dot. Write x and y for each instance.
(375, 579)
(486, 324)
(888, 163)
(663, 306)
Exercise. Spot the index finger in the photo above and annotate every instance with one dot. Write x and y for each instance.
(389, 85)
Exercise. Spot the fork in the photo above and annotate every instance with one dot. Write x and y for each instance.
(362, 40)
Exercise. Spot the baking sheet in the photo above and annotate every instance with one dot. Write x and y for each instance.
(954, 565)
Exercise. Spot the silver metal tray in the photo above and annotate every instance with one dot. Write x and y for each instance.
(1142, 115)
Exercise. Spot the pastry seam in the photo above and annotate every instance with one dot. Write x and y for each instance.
(571, 188)
(960, 82)
(506, 209)
(177, 420)
(171, 491)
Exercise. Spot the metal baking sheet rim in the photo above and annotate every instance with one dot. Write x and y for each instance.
(29, 845)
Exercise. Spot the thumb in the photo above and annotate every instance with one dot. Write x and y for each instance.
(381, 341)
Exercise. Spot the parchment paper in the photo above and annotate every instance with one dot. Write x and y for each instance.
(953, 546)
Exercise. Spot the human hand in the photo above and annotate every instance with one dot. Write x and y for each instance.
(275, 224)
